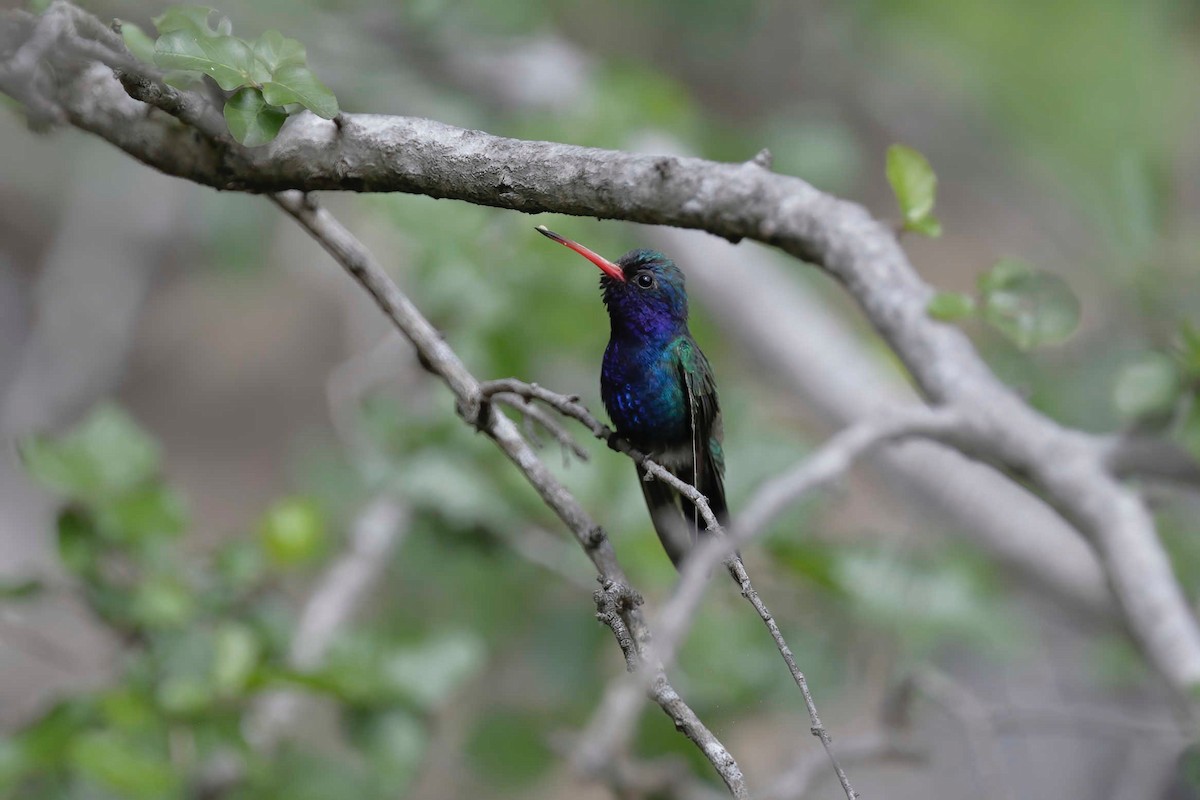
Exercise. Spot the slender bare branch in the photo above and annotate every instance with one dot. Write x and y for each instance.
(1155, 459)
(877, 745)
(976, 722)
(473, 407)
(547, 422)
(614, 721)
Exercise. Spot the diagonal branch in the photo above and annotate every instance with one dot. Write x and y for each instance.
(623, 698)
(436, 354)
(614, 722)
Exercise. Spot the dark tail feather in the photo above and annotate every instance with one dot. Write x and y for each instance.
(676, 520)
(673, 528)
(714, 492)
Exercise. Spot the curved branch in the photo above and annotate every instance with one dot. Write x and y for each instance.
(614, 722)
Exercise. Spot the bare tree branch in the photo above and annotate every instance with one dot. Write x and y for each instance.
(627, 625)
(613, 723)
(1137, 456)
(534, 414)
(976, 722)
(878, 745)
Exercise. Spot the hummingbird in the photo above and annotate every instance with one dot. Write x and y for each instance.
(659, 390)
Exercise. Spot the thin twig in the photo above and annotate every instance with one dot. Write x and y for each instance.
(614, 603)
(877, 745)
(614, 721)
(976, 722)
(547, 422)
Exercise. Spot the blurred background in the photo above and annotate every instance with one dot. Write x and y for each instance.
(218, 415)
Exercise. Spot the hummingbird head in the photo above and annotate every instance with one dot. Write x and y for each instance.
(644, 290)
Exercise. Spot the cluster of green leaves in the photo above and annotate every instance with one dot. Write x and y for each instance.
(1160, 387)
(204, 639)
(1029, 307)
(269, 77)
(915, 185)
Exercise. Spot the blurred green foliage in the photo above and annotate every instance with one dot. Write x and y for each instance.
(205, 640)
(1090, 101)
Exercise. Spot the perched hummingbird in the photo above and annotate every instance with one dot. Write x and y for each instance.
(658, 388)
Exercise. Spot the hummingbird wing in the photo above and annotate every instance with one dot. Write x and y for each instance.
(704, 416)
(674, 529)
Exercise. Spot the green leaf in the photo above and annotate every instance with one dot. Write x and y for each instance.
(163, 602)
(292, 531)
(181, 78)
(808, 560)
(193, 19)
(295, 83)
(138, 42)
(46, 741)
(183, 695)
(118, 764)
(147, 512)
(251, 120)
(1147, 387)
(950, 306)
(104, 455)
(915, 186)
(924, 602)
(1189, 432)
(14, 765)
(226, 59)
(926, 226)
(363, 671)
(275, 50)
(77, 541)
(235, 656)
(125, 708)
(1030, 307)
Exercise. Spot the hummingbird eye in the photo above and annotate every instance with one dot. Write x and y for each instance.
(645, 280)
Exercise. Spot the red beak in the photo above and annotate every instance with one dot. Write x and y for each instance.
(607, 267)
